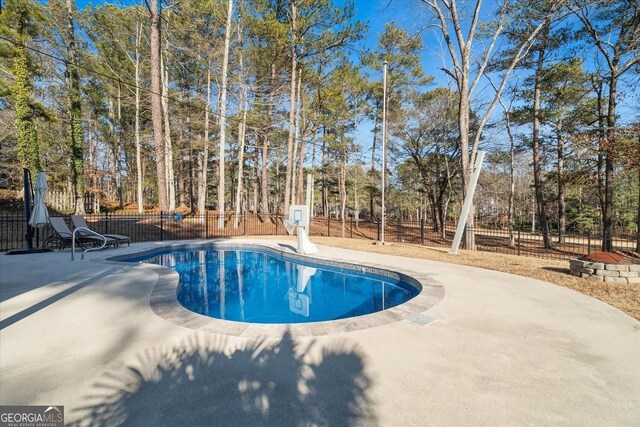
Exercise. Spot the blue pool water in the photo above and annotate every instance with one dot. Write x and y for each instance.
(256, 287)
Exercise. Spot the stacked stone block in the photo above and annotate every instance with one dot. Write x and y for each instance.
(603, 272)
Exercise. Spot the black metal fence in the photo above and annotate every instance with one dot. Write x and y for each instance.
(160, 227)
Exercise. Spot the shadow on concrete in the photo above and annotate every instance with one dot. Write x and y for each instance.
(54, 298)
(260, 383)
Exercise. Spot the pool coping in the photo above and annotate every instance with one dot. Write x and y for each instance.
(164, 303)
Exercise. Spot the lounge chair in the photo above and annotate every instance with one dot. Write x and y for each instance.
(79, 221)
(63, 236)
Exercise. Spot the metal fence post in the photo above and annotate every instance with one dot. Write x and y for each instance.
(329, 225)
(351, 235)
(244, 224)
(206, 224)
(518, 240)
(398, 230)
(106, 222)
(276, 220)
(378, 226)
(589, 242)
(161, 226)
(422, 231)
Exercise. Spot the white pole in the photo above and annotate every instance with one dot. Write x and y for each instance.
(468, 201)
(384, 146)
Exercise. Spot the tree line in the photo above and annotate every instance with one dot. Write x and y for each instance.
(228, 104)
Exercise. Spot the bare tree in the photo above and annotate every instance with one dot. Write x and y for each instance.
(469, 65)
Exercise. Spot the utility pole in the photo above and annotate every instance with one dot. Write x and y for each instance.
(384, 148)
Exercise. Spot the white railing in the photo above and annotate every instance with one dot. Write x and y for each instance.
(73, 242)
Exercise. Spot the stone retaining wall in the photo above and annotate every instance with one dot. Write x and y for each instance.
(610, 273)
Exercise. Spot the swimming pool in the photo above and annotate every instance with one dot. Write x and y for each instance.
(256, 286)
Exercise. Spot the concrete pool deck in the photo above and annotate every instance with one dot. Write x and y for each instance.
(498, 349)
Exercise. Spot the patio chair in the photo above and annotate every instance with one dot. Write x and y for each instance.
(79, 221)
(63, 236)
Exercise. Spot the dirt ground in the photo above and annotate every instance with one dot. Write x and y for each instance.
(624, 297)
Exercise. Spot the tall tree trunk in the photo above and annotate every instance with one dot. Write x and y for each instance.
(204, 161)
(323, 168)
(439, 184)
(242, 126)
(140, 199)
(467, 165)
(264, 185)
(512, 181)
(264, 181)
(343, 183)
(562, 219)
(607, 219)
(223, 118)
(313, 192)
(301, 155)
(113, 153)
(535, 141)
(192, 172)
(356, 205)
(254, 175)
(296, 142)
(168, 146)
(156, 105)
(464, 107)
(121, 152)
(76, 142)
(239, 189)
(292, 110)
(601, 144)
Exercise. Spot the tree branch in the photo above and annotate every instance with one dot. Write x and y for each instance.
(474, 21)
(487, 54)
(447, 38)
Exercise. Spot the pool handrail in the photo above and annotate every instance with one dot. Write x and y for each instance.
(73, 241)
